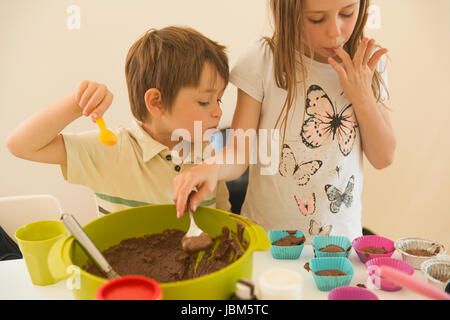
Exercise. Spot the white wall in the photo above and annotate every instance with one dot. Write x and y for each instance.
(41, 60)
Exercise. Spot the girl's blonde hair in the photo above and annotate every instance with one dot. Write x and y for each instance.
(288, 51)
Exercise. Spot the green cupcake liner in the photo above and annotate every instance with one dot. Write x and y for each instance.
(327, 283)
(285, 253)
(319, 242)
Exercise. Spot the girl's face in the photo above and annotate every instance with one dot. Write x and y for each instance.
(329, 24)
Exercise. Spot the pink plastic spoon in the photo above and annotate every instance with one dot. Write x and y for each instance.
(407, 281)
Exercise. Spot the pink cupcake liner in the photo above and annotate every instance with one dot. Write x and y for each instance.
(351, 293)
(385, 284)
(373, 241)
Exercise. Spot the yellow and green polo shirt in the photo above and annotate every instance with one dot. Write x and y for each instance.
(137, 171)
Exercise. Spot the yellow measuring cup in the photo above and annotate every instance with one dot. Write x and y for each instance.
(35, 241)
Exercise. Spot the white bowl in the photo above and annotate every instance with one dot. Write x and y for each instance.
(404, 244)
(436, 268)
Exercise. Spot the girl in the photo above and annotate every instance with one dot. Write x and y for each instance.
(318, 80)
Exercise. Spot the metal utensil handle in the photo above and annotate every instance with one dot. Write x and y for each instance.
(87, 245)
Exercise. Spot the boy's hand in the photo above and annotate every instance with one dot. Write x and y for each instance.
(93, 98)
(203, 177)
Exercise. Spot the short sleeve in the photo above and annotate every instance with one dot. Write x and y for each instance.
(382, 69)
(88, 161)
(248, 72)
(222, 197)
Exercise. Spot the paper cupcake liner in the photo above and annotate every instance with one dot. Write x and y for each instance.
(385, 284)
(325, 283)
(351, 293)
(281, 252)
(373, 241)
(404, 244)
(435, 271)
(319, 242)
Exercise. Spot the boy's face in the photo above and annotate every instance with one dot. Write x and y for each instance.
(329, 24)
(200, 103)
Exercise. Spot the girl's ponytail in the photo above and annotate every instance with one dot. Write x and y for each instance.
(286, 46)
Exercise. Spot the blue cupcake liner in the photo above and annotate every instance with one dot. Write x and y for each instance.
(319, 242)
(325, 283)
(285, 253)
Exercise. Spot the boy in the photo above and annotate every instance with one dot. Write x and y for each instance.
(175, 76)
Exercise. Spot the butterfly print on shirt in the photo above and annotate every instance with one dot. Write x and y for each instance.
(337, 170)
(300, 172)
(324, 122)
(337, 197)
(316, 229)
(308, 208)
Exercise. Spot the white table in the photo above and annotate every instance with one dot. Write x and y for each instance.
(15, 283)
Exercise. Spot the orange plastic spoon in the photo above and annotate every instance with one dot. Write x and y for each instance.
(107, 137)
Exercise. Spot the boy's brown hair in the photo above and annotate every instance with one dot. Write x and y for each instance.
(168, 60)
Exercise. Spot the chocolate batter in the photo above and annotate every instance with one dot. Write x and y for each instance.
(330, 273)
(161, 257)
(332, 248)
(422, 252)
(306, 266)
(373, 250)
(197, 243)
(443, 278)
(290, 240)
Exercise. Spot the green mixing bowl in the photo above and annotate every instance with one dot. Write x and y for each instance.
(67, 258)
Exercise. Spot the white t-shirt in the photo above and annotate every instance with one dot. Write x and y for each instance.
(317, 187)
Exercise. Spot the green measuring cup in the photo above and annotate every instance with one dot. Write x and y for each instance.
(35, 241)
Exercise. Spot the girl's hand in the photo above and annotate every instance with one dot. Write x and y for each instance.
(357, 74)
(203, 177)
(93, 98)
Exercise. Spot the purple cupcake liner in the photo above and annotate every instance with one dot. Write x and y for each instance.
(385, 284)
(373, 241)
(351, 293)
